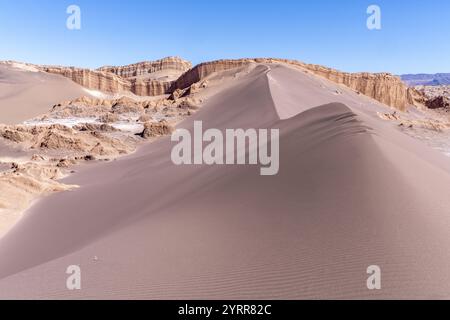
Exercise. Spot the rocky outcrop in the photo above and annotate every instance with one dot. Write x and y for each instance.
(433, 97)
(148, 87)
(439, 102)
(119, 110)
(417, 97)
(434, 91)
(383, 87)
(25, 182)
(111, 83)
(141, 75)
(437, 125)
(201, 71)
(82, 139)
(152, 129)
(136, 78)
(91, 79)
(148, 67)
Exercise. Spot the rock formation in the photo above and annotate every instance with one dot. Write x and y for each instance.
(433, 97)
(439, 102)
(24, 182)
(434, 91)
(383, 87)
(136, 78)
(431, 124)
(92, 79)
(83, 140)
(167, 75)
(152, 129)
(143, 69)
(146, 87)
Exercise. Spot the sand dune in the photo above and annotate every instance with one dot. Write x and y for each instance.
(26, 92)
(39, 152)
(352, 191)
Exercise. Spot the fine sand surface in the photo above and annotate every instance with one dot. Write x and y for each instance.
(9, 152)
(26, 93)
(352, 191)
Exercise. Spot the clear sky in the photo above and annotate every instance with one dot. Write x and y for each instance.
(414, 37)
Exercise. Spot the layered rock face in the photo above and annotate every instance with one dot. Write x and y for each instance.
(149, 67)
(136, 78)
(417, 97)
(149, 87)
(144, 79)
(201, 71)
(91, 79)
(383, 87)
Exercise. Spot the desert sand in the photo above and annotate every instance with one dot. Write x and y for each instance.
(25, 92)
(97, 126)
(352, 191)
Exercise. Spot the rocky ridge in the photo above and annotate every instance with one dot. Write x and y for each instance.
(135, 78)
(145, 78)
(435, 97)
(146, 68)
(383, 87)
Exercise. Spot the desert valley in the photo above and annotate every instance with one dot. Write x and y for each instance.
(86, 178)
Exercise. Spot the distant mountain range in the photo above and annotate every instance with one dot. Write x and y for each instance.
(437, 79)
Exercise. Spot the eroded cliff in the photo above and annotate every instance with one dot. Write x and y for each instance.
(169, 74)
(382, 87)
(150, 78)
(147, 68)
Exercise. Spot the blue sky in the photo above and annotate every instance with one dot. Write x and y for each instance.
(414, 37)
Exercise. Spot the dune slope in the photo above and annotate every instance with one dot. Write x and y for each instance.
(26, 93)
(351, 192)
